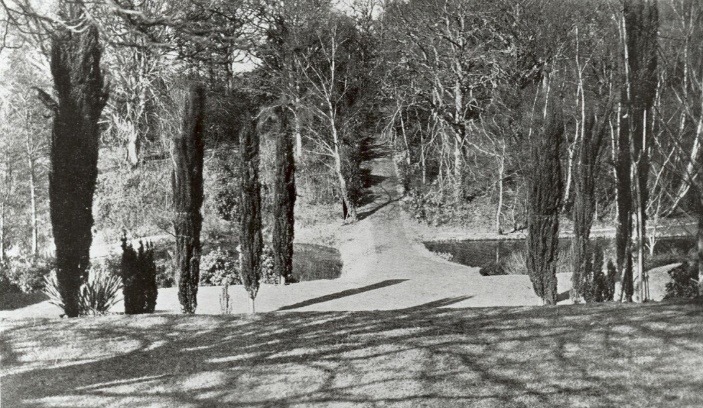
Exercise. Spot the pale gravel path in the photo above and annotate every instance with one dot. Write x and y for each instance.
(385, 267)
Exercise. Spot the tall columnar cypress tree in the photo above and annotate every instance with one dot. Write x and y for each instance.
(82, 94)
(187, 180)
(284, 195)
(586, 172)
(641, 23)
(250, 240)
(544, 204)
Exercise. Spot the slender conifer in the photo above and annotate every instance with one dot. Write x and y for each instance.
(187, 180)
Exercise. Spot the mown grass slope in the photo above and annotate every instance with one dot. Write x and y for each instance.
(595, 355)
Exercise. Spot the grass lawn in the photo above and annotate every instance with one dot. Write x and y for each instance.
(591, 356)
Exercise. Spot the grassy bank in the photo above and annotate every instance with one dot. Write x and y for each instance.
(595, 355)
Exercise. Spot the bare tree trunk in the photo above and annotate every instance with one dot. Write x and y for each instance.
(458, 174)
(7, 182)
(33, 207)
(350, 214)
(133, 148)
(2, 231)
(699, 236)
(423, 167)
(501, 176)
(298, 136)
(31, 164)
(408, 160)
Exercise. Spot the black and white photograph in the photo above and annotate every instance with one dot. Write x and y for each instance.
(351, 203)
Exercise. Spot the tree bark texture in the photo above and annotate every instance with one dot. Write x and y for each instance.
(250, 240)
(81, 91)
(544, 204)
(187, 150)
(284, 195)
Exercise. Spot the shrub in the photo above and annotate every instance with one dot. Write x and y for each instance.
(684, 282)
(99, 294)
(492, 269)
(164, 272)
(6, 285)
(138, 273)
(268, 274)
(601, 285)
(27, 275)
(219, 268)
(96, 296)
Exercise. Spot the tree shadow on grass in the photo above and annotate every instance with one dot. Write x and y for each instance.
(604, 355)
(344, 293)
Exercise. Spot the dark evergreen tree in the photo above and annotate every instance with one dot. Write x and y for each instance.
(82, 94)
(585, 178)
(138, 272)
(187, 180)
(544, 202)
(250, 239)
(284, 195)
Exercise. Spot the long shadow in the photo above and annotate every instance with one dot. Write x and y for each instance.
(371, 180)
(371, 150)
(363, 214)
(437, 303)
(344, 293)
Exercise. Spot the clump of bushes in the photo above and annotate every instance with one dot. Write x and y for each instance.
(164, 272)
(219, 268)
(24, 274)
(267, 274)
(493, 269)
(427, 208)
(432, 206)
(684, 281)
(138, 273)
